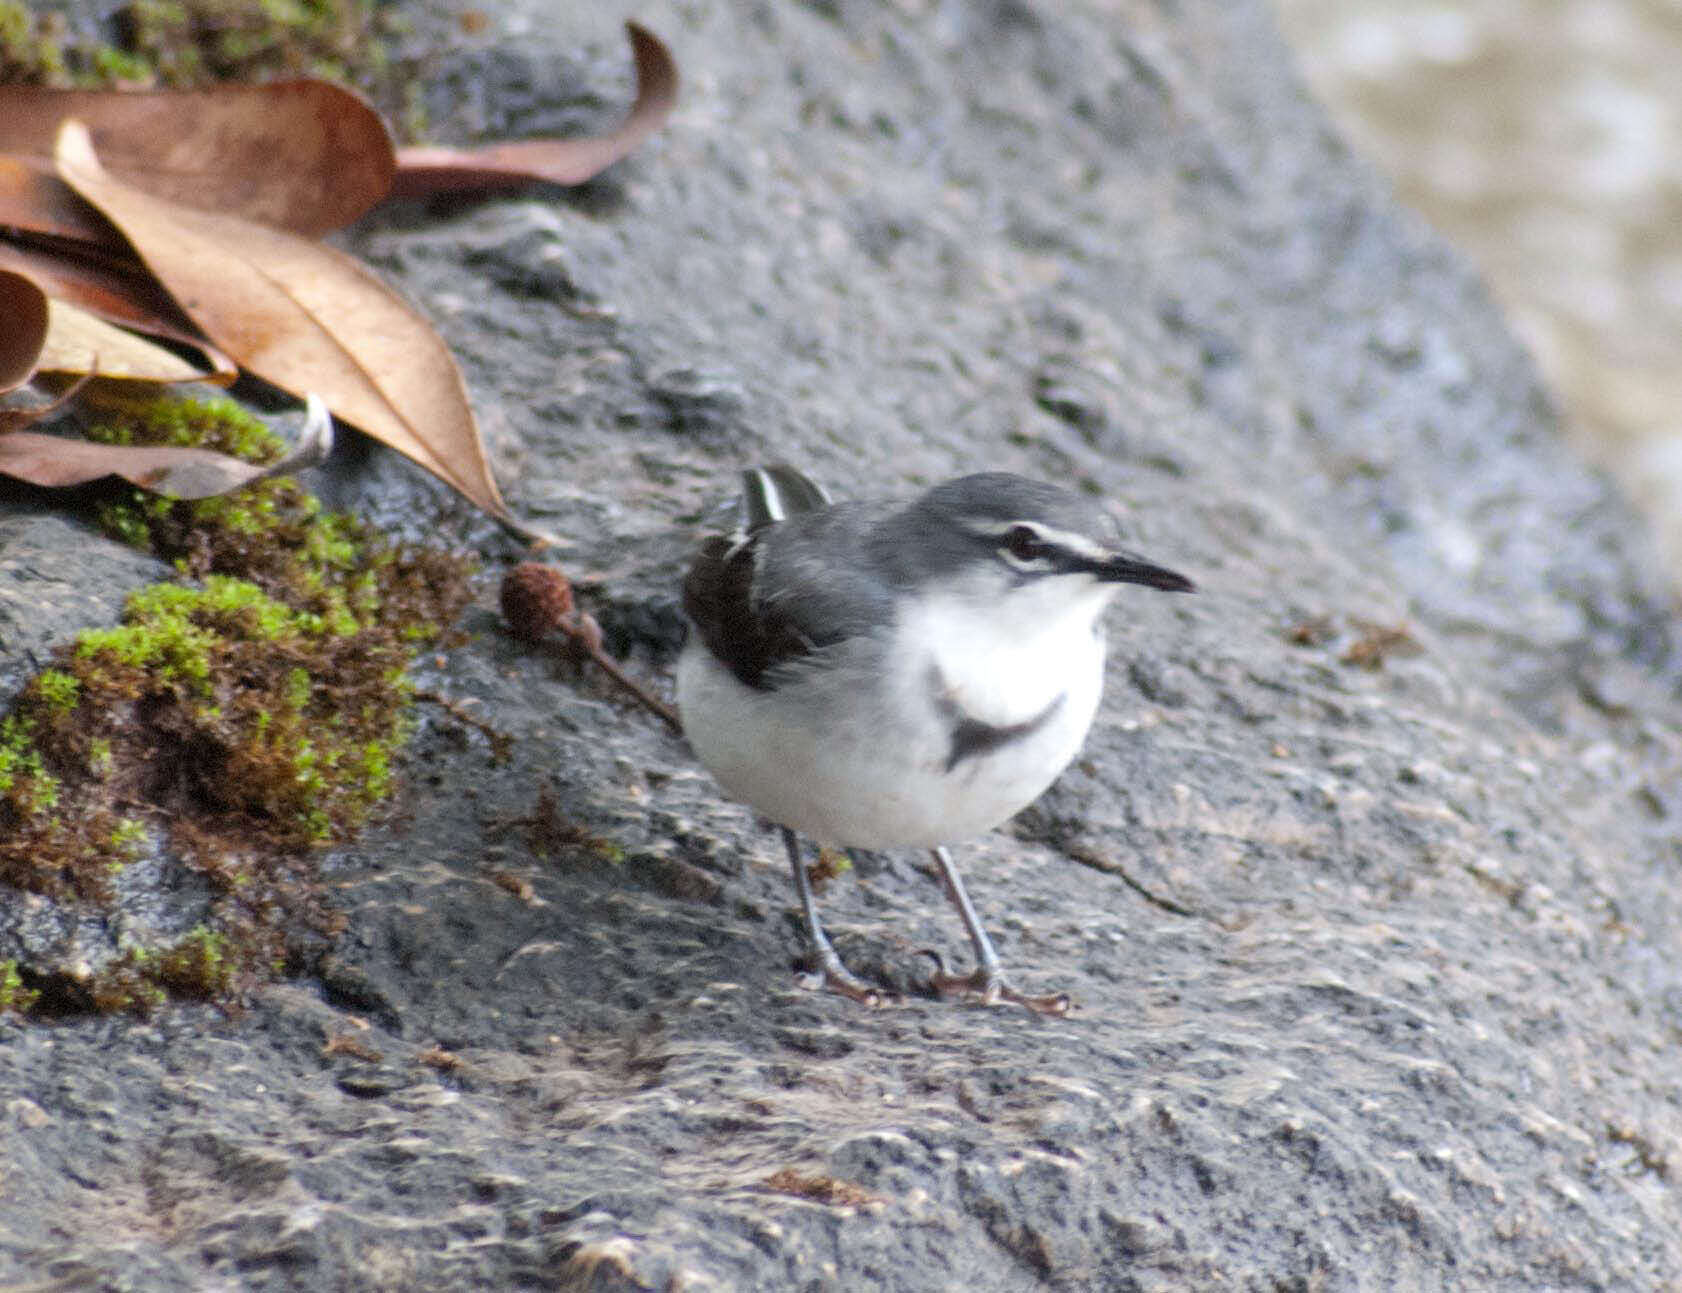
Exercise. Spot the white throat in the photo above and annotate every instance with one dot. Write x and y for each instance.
(1005, 659)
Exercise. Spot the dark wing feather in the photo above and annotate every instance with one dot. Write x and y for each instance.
(777, 492)
(786, 589)
(718, 597)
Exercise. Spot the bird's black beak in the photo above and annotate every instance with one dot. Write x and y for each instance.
(1128, 568)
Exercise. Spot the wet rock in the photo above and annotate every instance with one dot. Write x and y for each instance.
(1373, 962)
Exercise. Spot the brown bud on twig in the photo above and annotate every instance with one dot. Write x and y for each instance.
(535, 600)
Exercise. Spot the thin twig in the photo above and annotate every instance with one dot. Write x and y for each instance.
(576, 632)
(501, 742)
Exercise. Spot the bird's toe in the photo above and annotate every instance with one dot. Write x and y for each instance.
(842, 982)
(990, 988)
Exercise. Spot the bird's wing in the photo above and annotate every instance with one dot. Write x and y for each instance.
(786, 589)
(777, 492)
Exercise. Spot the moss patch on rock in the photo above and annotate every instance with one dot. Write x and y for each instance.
(190, 42)
(31, 47)
(184, 43)
(231, 724)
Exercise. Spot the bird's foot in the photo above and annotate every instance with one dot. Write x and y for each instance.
(991, 987)
(837, 978)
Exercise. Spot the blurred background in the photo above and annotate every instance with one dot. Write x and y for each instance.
(1544, 137)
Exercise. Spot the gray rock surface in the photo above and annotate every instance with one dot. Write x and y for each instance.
(1376, 968)
(57, 577)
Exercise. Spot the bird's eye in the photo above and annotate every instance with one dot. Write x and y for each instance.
(1023, 544)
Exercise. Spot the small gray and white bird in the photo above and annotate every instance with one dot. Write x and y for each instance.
(882, 675)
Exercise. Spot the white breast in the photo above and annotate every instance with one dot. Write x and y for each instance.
(851, 748)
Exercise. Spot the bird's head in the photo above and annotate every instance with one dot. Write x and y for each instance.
(1027, 546)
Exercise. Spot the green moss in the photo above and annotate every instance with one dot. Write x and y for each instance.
(201, 965)
(311, 760)
(17, 757)
(197, 42)
(31, 49)
(13, 995)
(126, 983)
(217, 423)
(125, 526)
(246, 715)
(273, 533)
(178, 633)
(113, 66)
(190, 41)
(27, 788)
(173, 653)
(128, 837)
(17, 25)
(58, 689)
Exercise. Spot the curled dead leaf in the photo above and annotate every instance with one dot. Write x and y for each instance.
(305, 155)
(23, 310)
(421, 171)
(11, 419)
(119, 293)
(33, 198)
(302, 316)
(78, 342)
(57, 461)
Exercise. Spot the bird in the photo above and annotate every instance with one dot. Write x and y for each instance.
(891, 674)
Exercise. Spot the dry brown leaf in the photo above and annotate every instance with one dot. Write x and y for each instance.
(123, 294)
(77, 342)
(421, 171)
(23, 328)
(304, 317)
(11, 419)
(55, 237)
(56, 461)
(32, 197)
(304, 155)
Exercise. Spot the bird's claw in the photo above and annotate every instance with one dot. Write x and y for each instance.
(991, 987)
(838, 979)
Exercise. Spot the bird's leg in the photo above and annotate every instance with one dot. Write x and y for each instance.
(987, 980)
(832, 974)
